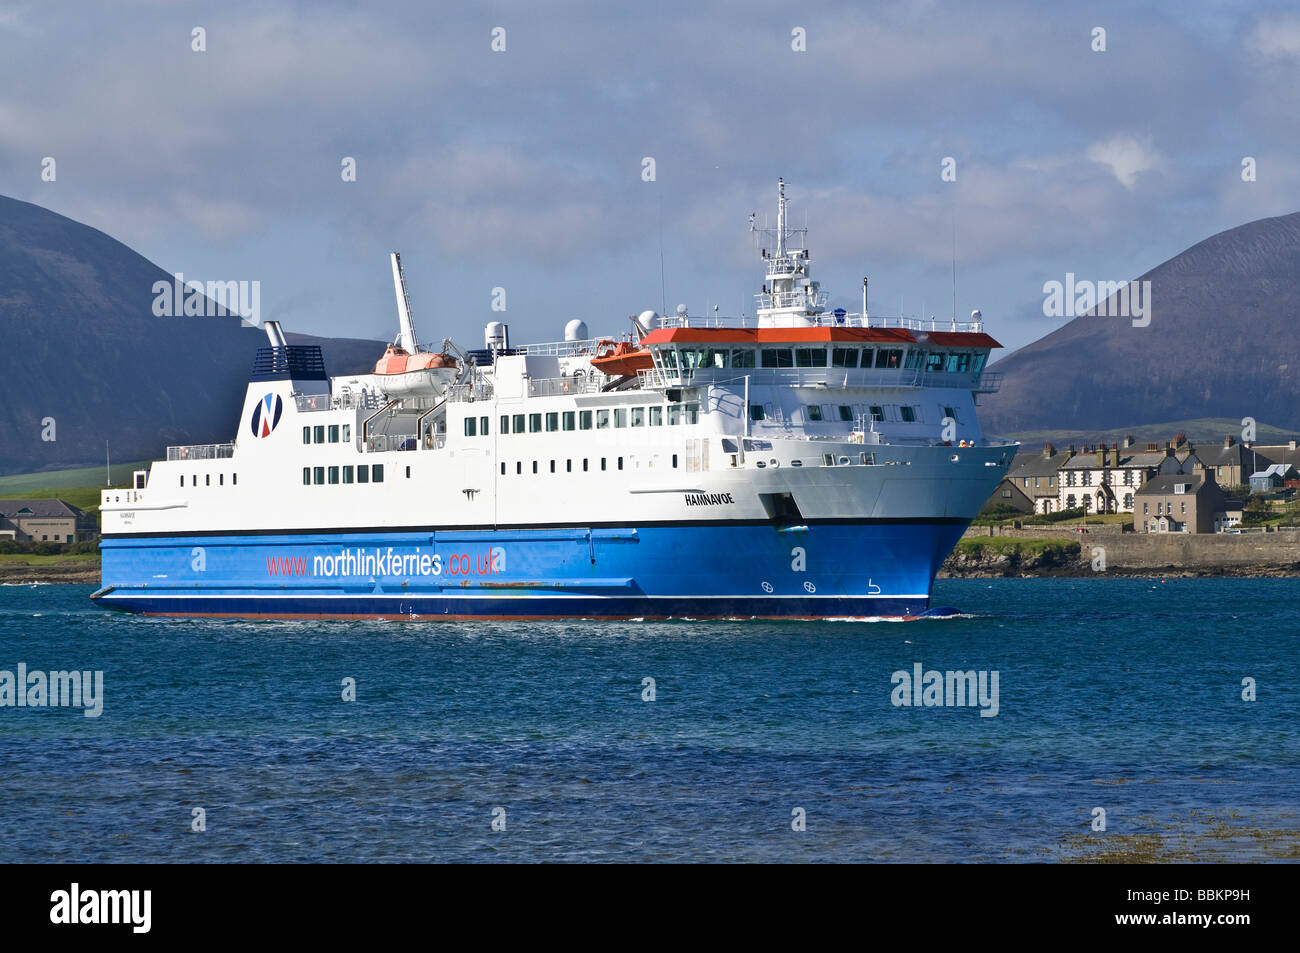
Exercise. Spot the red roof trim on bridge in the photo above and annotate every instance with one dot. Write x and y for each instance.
(779, 336)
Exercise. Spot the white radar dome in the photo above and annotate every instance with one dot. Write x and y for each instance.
(576, 330)
(649, 319)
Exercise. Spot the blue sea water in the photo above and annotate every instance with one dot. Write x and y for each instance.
(1124, 694)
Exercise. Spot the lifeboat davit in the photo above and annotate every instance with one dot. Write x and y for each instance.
(401, 373)
(621, 360)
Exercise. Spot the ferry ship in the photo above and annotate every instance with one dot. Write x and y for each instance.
(801, 463)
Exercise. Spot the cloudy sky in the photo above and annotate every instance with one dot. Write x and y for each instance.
(523, 168)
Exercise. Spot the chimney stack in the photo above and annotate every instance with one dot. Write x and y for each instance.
(1128, 441)
(1228, 441)
(1049, 451)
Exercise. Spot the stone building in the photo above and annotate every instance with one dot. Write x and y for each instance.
(1179, 503)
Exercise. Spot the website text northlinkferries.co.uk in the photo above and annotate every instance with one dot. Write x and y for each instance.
(387, 562)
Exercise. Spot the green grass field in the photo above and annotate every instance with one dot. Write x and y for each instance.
(1025, 546)
(29, 559)
(80, 486)
(1206, 431)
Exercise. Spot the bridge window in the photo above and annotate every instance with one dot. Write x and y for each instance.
(889, 357)
(977, 363)
(934, 362)
(778, 357)
(908, 414)
(756, 412)
(638, 416)
(377, 473)
(915, 358)
(846, 412)
(482, 427)
(958, 363)
(814, 413)
(347, 432)
(471, 427)
(656, 416)
(334, 475)
(877, 413)
(602, 420)
(620, 417)
(334, 433)
(517, 424)
(845, 356)
(363, 473)
(306, 435)
(810, 356)
(742, 357)
(692, 413)
(347, 474)
(569, 420)
(534, 423)
(318, 475)
(584, 420)
(552, 422)
(319, 434)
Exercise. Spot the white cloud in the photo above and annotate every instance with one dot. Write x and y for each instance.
(1126, 157)
(1278, 37)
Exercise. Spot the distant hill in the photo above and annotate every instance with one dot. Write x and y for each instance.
(81, 345)
(1222, 343)
(1204, 432)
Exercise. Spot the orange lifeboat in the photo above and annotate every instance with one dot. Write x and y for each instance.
(401, 372)
(621, 360)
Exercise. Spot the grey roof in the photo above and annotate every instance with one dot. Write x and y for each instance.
(1162, 485)
(12, 509)
(1279, 454)
(1035, 464)
(1236, 455)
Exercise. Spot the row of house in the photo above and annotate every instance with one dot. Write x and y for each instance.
(45, 521)
(1169, 488)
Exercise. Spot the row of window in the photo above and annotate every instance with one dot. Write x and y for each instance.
(674, 415)
(687, 359)
(318, 434)
(877, 413)
(1107, 477)
(365, 473)
(207, 479)
(1163, 509)
(568, 465)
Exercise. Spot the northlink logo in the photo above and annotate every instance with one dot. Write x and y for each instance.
(266, 415)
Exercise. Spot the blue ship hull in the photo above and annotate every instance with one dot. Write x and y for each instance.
(701, 570)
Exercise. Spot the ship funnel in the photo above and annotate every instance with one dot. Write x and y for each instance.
(404, 322)
(496, 335)
(274, 334)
